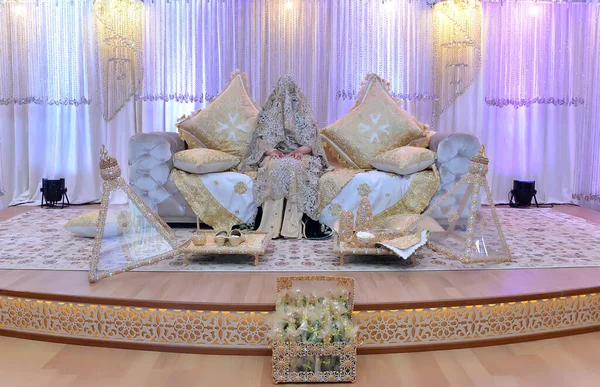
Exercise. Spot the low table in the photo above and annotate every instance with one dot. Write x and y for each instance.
(256, 244)
(344, 248)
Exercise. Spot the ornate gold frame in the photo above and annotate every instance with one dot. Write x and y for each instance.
(111, 173)
(476, 180)
(245, 248)
(284, 352)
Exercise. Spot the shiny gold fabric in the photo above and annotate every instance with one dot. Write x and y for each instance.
(374, 125)
(404, 160)
(331, 183)
(424, 185)
(286, 123)
(202, 202)
(226, 124)
(204, 160)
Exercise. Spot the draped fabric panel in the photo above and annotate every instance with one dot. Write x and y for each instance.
(327, 46)
(189, 48)
(587, 170)
(540, 53)
(43, 52)
(538, 142)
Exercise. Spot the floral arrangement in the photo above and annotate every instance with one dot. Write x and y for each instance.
(310, 319)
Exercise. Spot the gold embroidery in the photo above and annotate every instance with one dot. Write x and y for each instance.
(240, 187)
(157, 237)
(453, 216)
(85, 224)
(364, 189)
(364, 216)
(250, 174)
(404, 242)
(416, 222)
(387, 194)
(227, 123)
(203, 156)
(404, 157)
(424, 185)
(375, 125)
(202, 202)
(333, 151)
(331, 183)
(190, 140)
(335, 209)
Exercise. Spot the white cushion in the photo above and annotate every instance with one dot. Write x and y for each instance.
(85, 225)
(204, 160)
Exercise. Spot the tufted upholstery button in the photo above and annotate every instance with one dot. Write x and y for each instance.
(150, 160)
(454, 152)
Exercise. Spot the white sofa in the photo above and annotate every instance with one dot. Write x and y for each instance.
(151, 162)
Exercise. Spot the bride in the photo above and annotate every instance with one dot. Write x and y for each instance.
(287, 151)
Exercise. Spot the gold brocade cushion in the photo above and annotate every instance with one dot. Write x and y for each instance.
(226, 124)
(204, 160)
(404, 160)
(85, 225)
(400, 222)
(374, 125)
(423, 142)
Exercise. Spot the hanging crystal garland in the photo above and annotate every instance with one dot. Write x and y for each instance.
(42, 52)
(457, 32)
(118, 48)
(547, 66)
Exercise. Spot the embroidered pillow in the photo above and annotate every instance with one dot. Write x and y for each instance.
(204, 160)
(404, 160)
(226, 124)
(401, 222)
(374, 125)
(85, 225)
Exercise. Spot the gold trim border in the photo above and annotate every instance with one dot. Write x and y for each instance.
(204, 329)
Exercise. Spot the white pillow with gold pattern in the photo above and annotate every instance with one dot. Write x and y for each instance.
(85, 225)
(204, 160)
(404, 160)
(226, 124)
(400, 222)
(374, 125)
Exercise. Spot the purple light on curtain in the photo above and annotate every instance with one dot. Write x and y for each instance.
(587, 169)
(535, 55)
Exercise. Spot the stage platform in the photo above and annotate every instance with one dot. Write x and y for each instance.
(228, 313)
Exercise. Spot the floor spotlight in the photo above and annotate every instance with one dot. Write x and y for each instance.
(54, 191)
(522, 193)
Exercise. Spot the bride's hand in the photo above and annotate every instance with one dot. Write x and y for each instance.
(275, 154)
(297, 154)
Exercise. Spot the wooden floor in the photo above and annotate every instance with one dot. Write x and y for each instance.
(570, 361)
(258, 288)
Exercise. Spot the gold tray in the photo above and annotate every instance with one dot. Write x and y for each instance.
(349, 248)
(256, 244)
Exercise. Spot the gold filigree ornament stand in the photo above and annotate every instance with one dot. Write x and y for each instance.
(129, 234)
(470, 233)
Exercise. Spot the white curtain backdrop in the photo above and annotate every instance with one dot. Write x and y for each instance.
(587, 169)
(190, 47)
(327, 46)
(536, 142)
